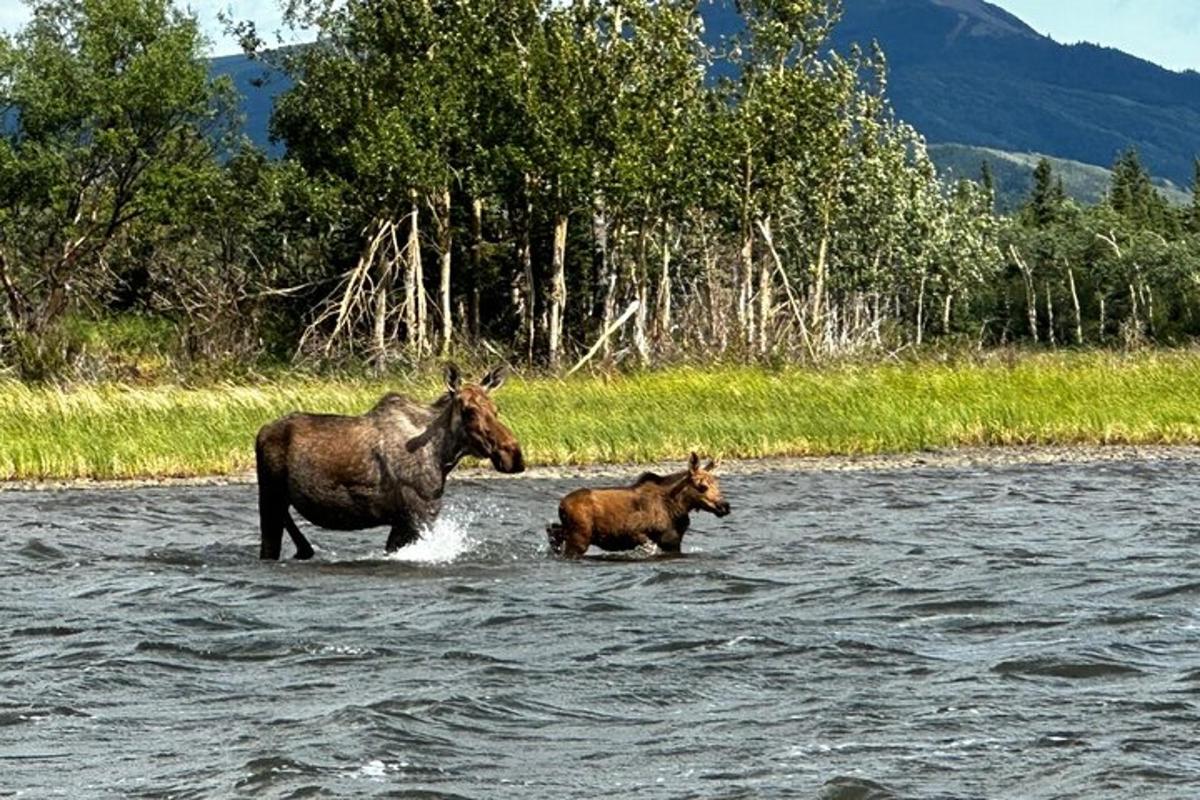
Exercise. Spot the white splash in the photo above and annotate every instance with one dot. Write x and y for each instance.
(373, 769)
(448, 538)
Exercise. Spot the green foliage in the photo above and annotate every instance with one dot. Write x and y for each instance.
(113, 114)
(1012, 175)
(453, 149)
(1046, 199)
(1133, 197)
(1194, 211)
(1122, 271)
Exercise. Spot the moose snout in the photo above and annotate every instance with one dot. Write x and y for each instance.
(508, 460)
(722, 509)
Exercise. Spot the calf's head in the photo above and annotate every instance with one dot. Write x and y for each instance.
(478, 418)
(703, 489)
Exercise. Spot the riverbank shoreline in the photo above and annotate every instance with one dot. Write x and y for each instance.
(1067, 403)
(943, 459)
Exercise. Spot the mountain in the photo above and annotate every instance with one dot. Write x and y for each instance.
(258, 84)
(1012, 174)
(967, 72)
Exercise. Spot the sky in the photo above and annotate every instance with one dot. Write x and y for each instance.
(265, 13)
(1166, 32)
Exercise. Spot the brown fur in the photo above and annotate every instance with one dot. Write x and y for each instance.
(385, 467)
(655, 508)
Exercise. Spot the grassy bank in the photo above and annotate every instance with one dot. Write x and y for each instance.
(113, 431)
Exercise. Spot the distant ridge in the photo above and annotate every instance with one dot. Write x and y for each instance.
(966, 72)
(1012, 174)
(259, 85)
(969, 72)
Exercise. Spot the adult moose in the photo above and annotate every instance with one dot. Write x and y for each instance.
(385, 467)
(655, 509)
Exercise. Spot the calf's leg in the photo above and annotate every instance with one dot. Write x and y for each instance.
(575, 535)
(576, 541)
(554, 534)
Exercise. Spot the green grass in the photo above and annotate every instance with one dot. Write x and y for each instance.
(115, 431)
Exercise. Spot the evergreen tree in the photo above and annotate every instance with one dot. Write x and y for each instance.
(1134, 197)
(1194, 215)
(1046, 198)
(988, 181)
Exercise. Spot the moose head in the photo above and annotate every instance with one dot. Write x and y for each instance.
(480, 428)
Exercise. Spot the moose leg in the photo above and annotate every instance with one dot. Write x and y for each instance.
(404, 532)
(271, 521)
(304, 550)
(645, 543)
(272, 495)
(670, 541)
(555, 535)
(574, 535)
(576, 539)
(272, 537)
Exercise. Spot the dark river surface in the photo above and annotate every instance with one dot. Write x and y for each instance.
(1023, 632)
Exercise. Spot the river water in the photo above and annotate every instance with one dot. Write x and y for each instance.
(1028, 631)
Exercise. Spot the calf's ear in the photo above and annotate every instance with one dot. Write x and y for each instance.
(494, 379)
(453, 378)
(694, 462)
(712, 464)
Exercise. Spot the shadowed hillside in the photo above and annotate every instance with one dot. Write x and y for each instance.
(966, 71)
(258, 85)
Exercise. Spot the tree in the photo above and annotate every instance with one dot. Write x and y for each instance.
(988, 181)
(112, 110)
(1194, 211)
(1133, 196)
(791, 132)
(1046, 197)
(654, 177)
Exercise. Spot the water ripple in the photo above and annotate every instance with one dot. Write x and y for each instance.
(1019, 631)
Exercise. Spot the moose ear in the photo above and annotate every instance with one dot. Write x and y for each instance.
(494, 379)
(453, 378)
(694, 462)
(712, 464)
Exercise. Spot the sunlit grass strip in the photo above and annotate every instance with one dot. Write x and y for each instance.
(112, 431)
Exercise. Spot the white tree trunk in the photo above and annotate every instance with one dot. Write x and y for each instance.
(476, 265)
(444, 245)
(383, 288)
(1049, 316)
(1075, 303)
(764, 294)
(558, 288)
(663, 321)
(414, 283)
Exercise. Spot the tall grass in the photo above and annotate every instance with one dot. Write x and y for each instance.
(115, 431)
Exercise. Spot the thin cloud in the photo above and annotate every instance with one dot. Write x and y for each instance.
(264, 13)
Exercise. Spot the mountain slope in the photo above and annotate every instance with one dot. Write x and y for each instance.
(259, 85)
(969, 72)
(1012, 174)
(965, 71)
